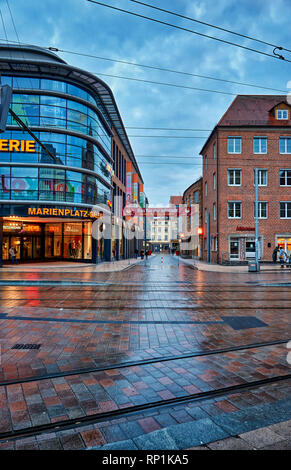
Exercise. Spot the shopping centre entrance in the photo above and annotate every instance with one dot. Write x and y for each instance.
(50, 240)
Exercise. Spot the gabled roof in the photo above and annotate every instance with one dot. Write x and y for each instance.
(252, 110)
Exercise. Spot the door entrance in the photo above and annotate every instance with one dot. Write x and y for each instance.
(234, 252)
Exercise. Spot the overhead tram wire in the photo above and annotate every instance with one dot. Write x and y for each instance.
(151, 82)
(153, 67)
(279, 57)
(168, 129)
(210, 25)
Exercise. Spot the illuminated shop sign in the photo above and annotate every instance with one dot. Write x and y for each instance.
(14, 145)
(60, 212)
(19, 226)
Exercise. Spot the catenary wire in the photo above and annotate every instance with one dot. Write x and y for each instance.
(188, 30)
(151, 82)
(210, 25)
(155, 68)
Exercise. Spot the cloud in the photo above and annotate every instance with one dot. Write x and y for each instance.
(80, 26)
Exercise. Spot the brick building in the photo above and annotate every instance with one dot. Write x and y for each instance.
(194, 195)
(255, 132)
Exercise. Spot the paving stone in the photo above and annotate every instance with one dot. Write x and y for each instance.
(283, 429)
(231, 443)
(195, 433)
(157, 440)
(132, 429)
(121, 445)
(261, 437)
(282, 445)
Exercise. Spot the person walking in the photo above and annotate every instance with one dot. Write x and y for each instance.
(274, 255)
(282, 257)
(136, 254)
(12, 253)
(146, 254)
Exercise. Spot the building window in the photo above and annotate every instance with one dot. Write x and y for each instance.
(166, 237)
(234, 177)
(285, 144)
(282, 114)
(214, 211)
(262, 210)
(214, 150)
(195, 197)
(214, 181)
(234, 144)
(205, 162)
(260, 144)
(285, 210)
(205, 189)
(285, 177)
(234, 210)
(262, 177)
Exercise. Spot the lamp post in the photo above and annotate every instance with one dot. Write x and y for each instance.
(257, 219)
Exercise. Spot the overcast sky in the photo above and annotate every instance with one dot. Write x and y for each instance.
(80, 26)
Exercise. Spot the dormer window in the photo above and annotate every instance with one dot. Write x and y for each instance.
(282, 114)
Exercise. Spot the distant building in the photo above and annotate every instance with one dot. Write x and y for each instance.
(193, 195)
(175, 201)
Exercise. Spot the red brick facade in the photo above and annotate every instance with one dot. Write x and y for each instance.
(225, 232)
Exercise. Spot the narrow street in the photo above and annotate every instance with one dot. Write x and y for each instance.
(89, 359)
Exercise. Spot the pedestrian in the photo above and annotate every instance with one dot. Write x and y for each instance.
(146, 254)
(142, 254)
(136, 253)
(274, 255)
(282, 257)
(12, 253)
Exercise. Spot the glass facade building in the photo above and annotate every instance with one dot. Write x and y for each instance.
(72, 113)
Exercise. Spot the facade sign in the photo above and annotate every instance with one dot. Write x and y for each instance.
(128, 188)
(245, 229)
(14, 145)
(59, 212)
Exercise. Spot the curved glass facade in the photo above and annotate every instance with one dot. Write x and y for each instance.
(51, 184)
(68, 151)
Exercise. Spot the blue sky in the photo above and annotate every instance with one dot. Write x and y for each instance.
(81, 26)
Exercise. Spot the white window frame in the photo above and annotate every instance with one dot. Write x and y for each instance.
(281, 111)
(260, 144)
(228, 175)
(260, 178)
(285, 139)
(284, 185)
(284, 202)
(214, 211)
(235, 137)
(214, 181)
(260, 209)
(234, 202)
(214, 151)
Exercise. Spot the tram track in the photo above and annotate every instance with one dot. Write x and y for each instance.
(95, 418)
(122, 365)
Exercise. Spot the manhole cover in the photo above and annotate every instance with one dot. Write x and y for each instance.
(26, 346)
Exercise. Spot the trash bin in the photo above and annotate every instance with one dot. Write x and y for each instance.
(253, 267)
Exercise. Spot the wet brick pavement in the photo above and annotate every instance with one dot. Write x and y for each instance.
(147, 313)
